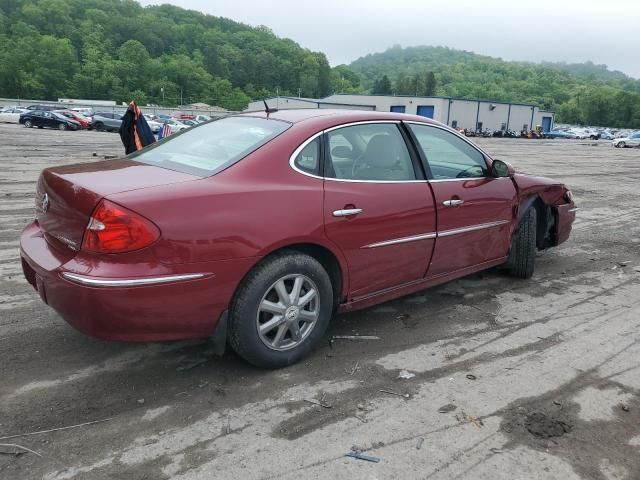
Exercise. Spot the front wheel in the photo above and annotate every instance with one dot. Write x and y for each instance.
(28, 123)
(621, 145)
(62, 127)
(281, 310)
(523, 247)
(99, 127)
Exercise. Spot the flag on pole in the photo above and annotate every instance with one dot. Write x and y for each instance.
(165, 131)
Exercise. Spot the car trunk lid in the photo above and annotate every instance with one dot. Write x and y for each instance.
(66, 196)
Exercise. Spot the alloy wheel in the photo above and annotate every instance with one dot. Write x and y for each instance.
(288, 312)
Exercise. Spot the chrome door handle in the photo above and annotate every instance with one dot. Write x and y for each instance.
(347, 212)
(452, 203)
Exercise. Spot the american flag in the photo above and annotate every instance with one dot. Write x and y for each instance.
(165, 132)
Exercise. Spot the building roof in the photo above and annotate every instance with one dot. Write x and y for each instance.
(457, 99)
(335, 116)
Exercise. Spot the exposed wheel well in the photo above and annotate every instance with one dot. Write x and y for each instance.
(546, 222)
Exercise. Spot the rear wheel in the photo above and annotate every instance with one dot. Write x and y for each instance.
(281, 310)
(28, 123)
(621, 145)
(523, 247)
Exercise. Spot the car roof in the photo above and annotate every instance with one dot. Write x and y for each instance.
(330, 117)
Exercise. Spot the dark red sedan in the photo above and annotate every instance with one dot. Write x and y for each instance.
(256, 228)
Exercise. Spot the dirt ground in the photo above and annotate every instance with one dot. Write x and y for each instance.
(536, 379)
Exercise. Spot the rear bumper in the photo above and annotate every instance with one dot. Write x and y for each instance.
(176, 304)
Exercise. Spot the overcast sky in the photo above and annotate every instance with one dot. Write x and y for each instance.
(603, 31)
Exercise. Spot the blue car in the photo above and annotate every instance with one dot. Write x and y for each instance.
(558, 134)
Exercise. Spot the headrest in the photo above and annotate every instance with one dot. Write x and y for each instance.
(381, 151)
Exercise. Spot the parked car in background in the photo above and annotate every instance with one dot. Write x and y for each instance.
(605, 135)
(43, 108)
(11, 115)
(195, 236)
(183, 116)
(632, 140)
(558, 134)
(85, 122)
(48, 119)
(107, 121)
(176, 125)
(153, 123)
(12, 107)
(86, 111)
(579, 133)
(189, 123)
(202, 118)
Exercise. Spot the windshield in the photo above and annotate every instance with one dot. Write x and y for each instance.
(211, 147)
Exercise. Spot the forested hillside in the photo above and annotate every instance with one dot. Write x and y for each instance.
(579, 93)
(118, 50)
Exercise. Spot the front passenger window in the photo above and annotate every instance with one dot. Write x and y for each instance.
(448, 155)
(373, 152)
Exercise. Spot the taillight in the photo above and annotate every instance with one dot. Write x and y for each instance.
(115, 229)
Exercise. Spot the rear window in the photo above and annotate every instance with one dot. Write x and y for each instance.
(208, 148)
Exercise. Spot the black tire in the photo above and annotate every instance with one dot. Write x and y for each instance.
(621, 145)
(28, 123)
(99, 127)
(523, 247)
(243, 335)
(62, 127)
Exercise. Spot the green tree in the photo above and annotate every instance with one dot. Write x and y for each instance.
(382, 85)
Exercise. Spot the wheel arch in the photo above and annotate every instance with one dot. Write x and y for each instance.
(546, 220)
(330, 258)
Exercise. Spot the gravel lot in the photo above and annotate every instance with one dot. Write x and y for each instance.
(513, 379)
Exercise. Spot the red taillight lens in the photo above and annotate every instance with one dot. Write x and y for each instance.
(115, 229)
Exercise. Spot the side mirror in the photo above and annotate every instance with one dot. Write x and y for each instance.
(501, 169)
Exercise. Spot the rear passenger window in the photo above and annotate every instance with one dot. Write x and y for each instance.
(448, 155)
(374, 152)
(308, 160)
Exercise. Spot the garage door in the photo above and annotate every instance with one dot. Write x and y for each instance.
(425, 111)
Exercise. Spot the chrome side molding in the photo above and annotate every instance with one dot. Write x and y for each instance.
(472, 228)
(444, 233)
(413, 238)
(129, 282)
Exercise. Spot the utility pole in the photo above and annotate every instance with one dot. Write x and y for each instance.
(181, 102)
(299, 92)
(162, 90)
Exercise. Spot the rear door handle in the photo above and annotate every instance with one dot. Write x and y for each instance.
(347, 212)
(453, 203)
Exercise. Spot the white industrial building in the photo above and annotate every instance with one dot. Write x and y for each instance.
(455, 112)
